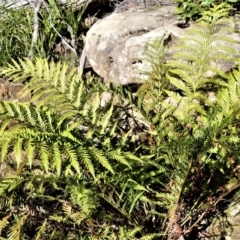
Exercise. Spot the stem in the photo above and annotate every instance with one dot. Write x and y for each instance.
(172, 212)
(35, 34)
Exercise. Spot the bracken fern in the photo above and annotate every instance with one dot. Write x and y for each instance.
(58, 147)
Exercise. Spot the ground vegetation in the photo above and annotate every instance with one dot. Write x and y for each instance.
(158, 163)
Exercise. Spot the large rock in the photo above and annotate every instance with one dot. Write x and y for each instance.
(116, 45)
(126, 5)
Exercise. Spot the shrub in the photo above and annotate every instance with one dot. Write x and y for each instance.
(189, 10)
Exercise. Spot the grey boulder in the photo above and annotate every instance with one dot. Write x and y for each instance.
(116, 45)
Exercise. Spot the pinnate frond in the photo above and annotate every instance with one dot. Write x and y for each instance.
(15, 229)
(4, 222)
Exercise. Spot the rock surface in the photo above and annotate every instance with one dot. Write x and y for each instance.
(116, 45)
(228, 226)
(127, 5)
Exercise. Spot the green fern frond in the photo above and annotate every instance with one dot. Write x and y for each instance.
(218, 13)
(98, 156)
(135, 202)
(57, 160)
(134, 232)
(132, 157)
(44, 154)
(152, 236)
(43, 75)
(114, 204)
(47, 130)
(73, 159)
(106, 119)
(30, 149)
(11, 182)
(128, 234)
(93, 108)
(25, 115)
(5, 144)
(207, 38)
(15, 229)
(41, 230)
(115, 155)
(84, 198)
(86, 159)
(4, 223)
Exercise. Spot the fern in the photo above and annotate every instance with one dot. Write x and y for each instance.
(190, 133)
(61, 143)
(50, 124)
(15, 230)
(4, 222)
(201, 45)
(150, 165)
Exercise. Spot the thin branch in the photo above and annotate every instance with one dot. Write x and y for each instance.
(35, 34)
(62, 38)
(82, 58)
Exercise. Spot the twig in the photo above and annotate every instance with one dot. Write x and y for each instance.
(35, 34)
(82, 58)
(37, 7)
(62, 38)
(52, 25)
(15, 4)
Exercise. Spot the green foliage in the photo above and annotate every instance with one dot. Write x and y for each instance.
(192, 109)
(189, 10)
(16, 33)
(59, 146)
(197, 57)
(56, 22)
(151, 165)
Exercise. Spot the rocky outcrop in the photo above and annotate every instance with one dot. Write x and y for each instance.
(116, 45)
